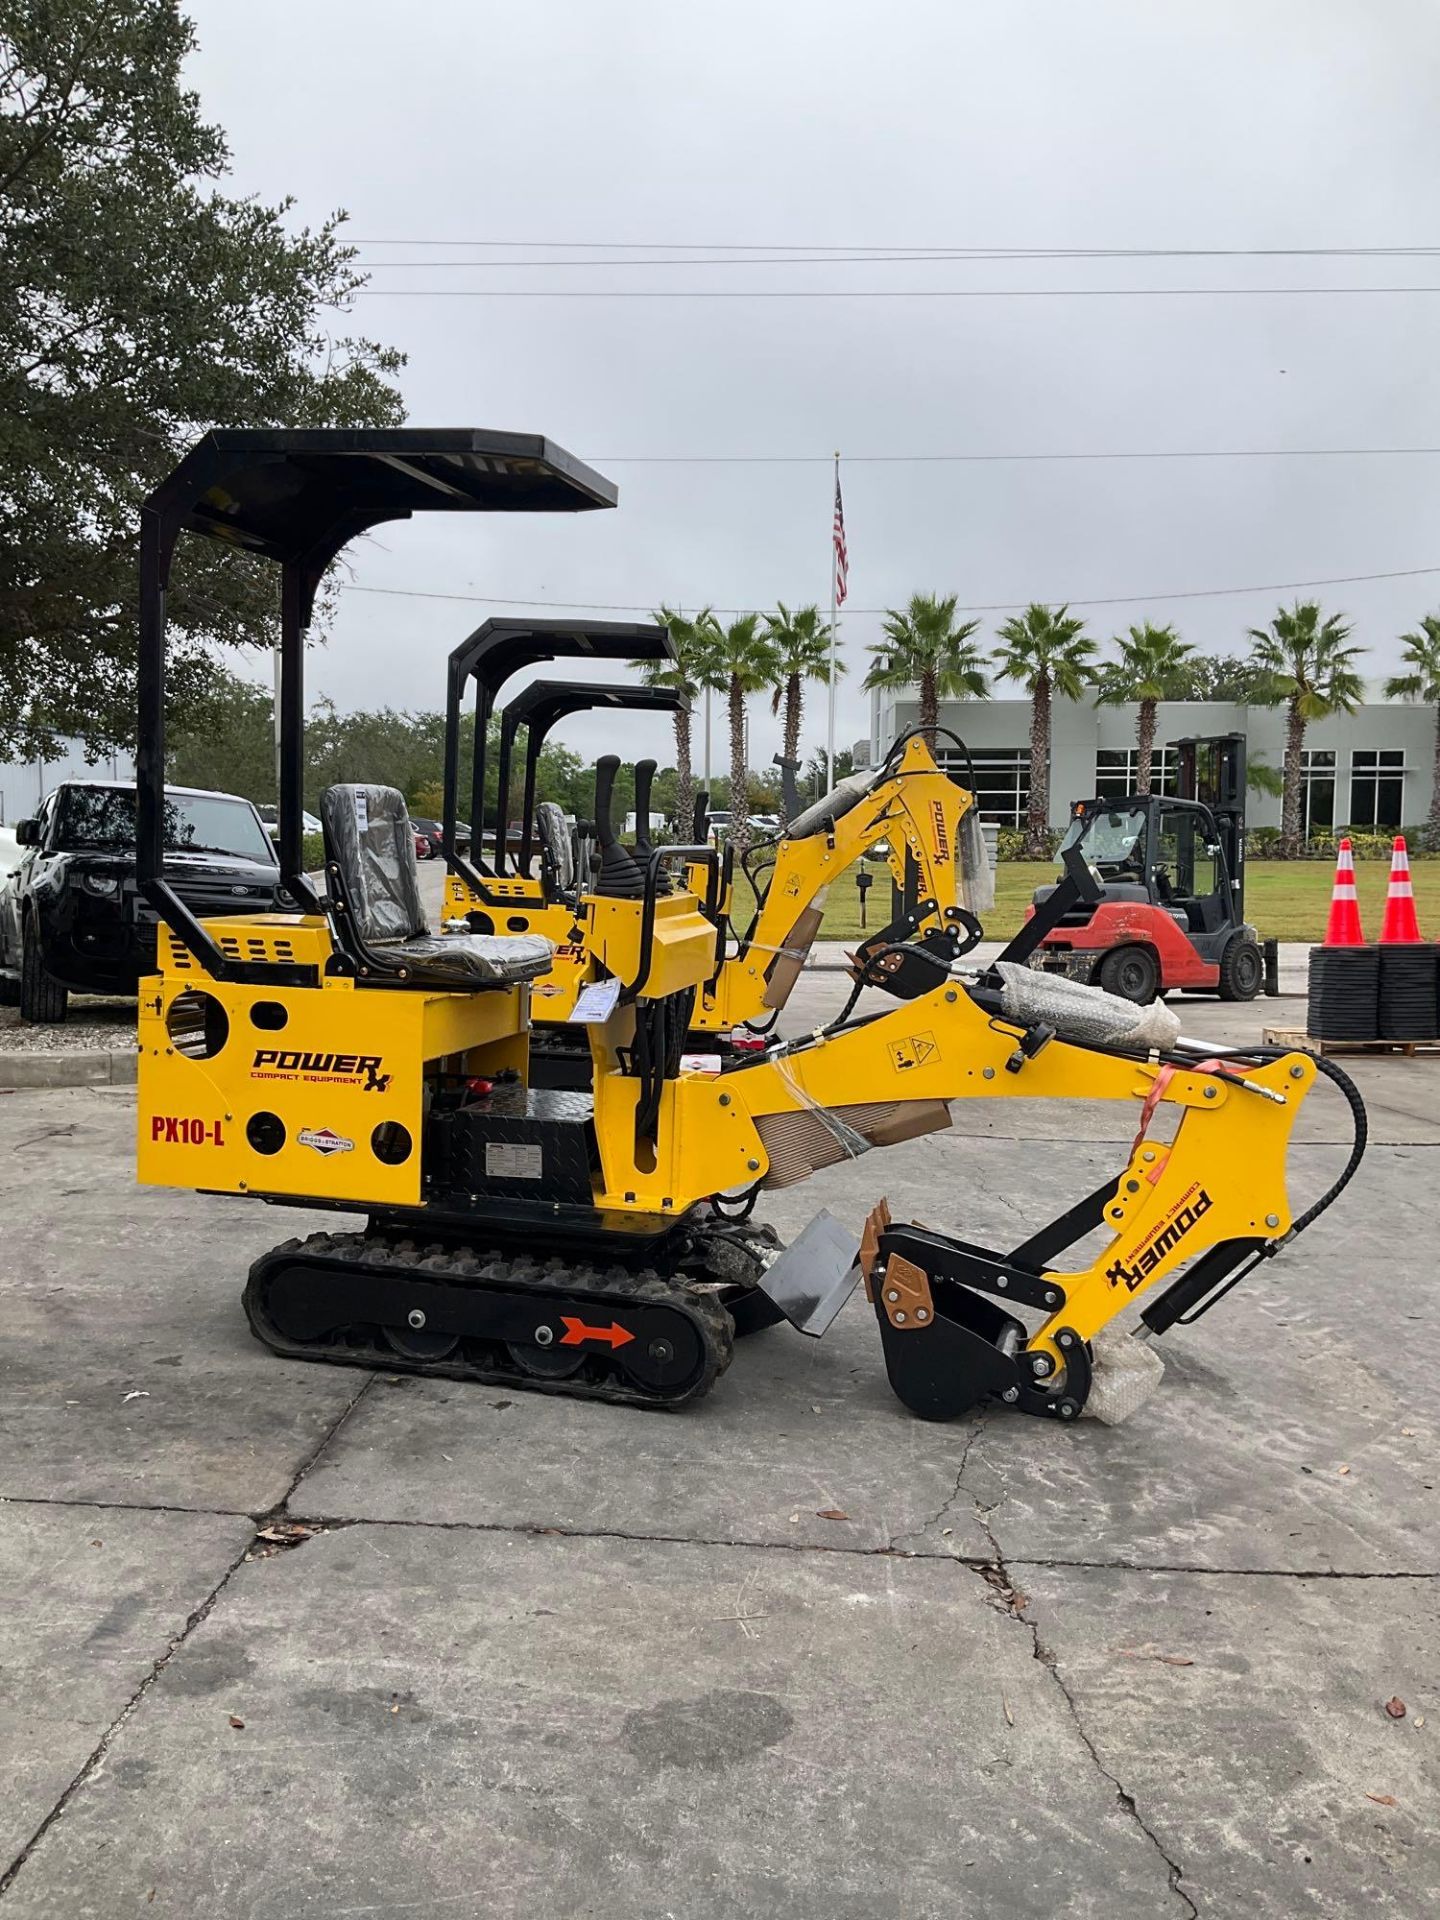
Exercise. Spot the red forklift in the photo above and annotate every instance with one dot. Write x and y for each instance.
(1171, 911)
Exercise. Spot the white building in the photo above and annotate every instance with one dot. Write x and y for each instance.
(24, 783)
(1372, 768)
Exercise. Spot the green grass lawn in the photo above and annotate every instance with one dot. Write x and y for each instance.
(1284, 900)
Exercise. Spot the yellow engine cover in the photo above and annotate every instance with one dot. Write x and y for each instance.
(314, 1092)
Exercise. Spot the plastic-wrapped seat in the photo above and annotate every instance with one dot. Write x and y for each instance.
(556, 852)
(375, 885)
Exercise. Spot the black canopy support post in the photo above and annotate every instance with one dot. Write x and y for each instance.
(502, 789)
(534, 741)
(292, 726)
(160, 528)
(484, 707)
(449, 806)
(157, 542)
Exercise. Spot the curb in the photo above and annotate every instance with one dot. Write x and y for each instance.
(98, 1068)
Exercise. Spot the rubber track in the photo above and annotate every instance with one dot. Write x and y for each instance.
(554, 1281)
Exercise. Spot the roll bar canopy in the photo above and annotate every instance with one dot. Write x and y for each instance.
(297, 496)
(540, 706)
(495, 650)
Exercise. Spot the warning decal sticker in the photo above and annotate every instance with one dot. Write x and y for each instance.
(916, 1050)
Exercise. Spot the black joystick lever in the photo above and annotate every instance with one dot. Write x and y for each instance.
(644, 778)
(619, 877)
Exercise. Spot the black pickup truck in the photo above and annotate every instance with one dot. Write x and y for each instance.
(71, 916)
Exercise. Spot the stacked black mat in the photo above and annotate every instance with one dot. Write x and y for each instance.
(1374, 993)
(1407, 993)
(1344, 993)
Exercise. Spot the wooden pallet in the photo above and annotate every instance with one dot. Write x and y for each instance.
(1293, 1037)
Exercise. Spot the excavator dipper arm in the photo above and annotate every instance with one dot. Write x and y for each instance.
(1213, 1192)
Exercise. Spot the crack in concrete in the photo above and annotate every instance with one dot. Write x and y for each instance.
(122, 1506)
(1012, 1602)
(195, 1619)
(333, 1523)
(919, 1533)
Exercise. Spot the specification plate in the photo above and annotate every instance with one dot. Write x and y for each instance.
(505, 1160)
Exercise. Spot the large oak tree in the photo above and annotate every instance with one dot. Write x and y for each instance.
(139, 305)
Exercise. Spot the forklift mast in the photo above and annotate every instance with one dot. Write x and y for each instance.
(1211, 772)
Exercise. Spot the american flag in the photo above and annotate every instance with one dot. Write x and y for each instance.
(842, 561)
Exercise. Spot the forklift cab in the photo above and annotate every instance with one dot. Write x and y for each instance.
(1171, 908)
(1167, 853)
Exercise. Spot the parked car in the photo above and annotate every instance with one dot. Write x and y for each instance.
(270, 814)
(11, 851)
(435, 837)
(72, 919)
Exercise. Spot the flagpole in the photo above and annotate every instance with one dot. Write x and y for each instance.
(834, 624)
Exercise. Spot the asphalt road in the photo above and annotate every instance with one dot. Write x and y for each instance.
(790, 1653)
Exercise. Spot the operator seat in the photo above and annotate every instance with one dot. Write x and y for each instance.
(557, 854)
(375, 891)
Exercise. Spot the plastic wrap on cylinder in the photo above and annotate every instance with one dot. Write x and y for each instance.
(1084, 1014)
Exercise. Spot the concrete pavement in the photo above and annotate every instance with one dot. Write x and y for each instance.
(535, 1657)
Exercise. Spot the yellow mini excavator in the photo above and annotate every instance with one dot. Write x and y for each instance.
(911, 811)
(596, 1242)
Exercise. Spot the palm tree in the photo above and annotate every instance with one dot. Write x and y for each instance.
(687, 673)
(740, 661)
(1152, 667)
(1421, 654)
(923, 648)
(1310, 669)
(802, 645)
(1047, 650)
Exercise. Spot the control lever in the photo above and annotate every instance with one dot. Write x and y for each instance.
(644, 776)
(619, 877)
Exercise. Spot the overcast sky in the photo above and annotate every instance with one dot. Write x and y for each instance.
(1238, 124)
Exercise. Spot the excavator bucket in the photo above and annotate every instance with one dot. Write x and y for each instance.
(961, 1352)
(947, 1347)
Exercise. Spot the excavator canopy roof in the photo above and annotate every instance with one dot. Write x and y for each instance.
(300, 493)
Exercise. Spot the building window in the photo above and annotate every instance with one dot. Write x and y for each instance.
(1377, 787)
(1117, 770)
(1317, 790)
(1002, 781)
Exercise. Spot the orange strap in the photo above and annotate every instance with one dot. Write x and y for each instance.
(1156, 1094)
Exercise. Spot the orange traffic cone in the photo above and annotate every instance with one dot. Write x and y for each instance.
(1400, 927)
(1343, 927)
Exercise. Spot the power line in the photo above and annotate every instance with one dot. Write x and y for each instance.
(949, 459)
(973, 606)
(851, 293)
(980, 253)
(875, 259)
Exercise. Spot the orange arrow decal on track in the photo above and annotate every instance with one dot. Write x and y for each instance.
(576, 1331)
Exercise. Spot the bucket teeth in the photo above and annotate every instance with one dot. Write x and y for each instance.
(876, 1221)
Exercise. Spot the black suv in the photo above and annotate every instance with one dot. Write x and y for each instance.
(71, 916)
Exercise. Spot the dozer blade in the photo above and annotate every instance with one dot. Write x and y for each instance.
(815, 1275)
